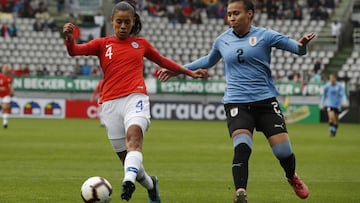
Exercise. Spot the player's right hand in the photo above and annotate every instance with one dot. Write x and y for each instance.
(306, 39)
(68, 29)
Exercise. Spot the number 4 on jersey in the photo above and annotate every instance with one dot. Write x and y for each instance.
(108, 51)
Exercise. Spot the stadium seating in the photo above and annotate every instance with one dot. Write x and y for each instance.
(187, 42)
(351, 70)
(180, 42)
(36, 49)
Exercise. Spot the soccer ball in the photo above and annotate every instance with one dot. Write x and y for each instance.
(96, 190)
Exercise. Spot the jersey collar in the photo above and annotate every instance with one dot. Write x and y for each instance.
(244, 35)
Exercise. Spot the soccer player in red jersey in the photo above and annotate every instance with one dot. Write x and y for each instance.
(125, 102)
(6, 91)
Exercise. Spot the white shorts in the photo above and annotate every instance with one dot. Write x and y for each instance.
(6, 99)
(119, 114)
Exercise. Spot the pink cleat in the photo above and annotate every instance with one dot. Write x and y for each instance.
(299, 187)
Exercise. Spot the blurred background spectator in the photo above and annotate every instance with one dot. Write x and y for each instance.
(317, 66)
(8, 31)
(335, 28)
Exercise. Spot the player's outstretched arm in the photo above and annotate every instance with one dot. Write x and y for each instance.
(164, 74)
(11, 90)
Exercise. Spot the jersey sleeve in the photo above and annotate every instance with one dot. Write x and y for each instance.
(284, 42)
(153, 55)
(89, 48)
(207, 61)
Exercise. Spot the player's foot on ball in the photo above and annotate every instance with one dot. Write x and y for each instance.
(154, 196)
(240, 196)
(128, 188)
(299, 186)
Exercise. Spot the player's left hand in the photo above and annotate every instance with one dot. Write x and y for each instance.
(200, 73)
(306, 39)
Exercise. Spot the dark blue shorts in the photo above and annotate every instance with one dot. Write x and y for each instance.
(335, 110)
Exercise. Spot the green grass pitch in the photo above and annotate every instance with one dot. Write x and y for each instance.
(46, 161)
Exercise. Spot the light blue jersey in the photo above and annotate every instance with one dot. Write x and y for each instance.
(247, 62)
(333, 96)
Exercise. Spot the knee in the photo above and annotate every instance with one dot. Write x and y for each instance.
(282, 150)
(242, 153)
(242, 147)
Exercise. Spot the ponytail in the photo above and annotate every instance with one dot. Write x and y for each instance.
(137, 26)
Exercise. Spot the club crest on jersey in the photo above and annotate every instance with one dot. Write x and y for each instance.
(135, 45)
(252, 41)
(234, 112)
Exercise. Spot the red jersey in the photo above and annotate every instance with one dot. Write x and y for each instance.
(122, 63)
(5, 85)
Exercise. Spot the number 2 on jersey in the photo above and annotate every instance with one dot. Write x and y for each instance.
(240, 52)
(277, 108)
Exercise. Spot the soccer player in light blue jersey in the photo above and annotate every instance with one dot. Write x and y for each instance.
(250, 95)
(333, 100)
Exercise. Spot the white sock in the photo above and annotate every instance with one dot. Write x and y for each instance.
(5, 118)
(144, 179)
(132, 164)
